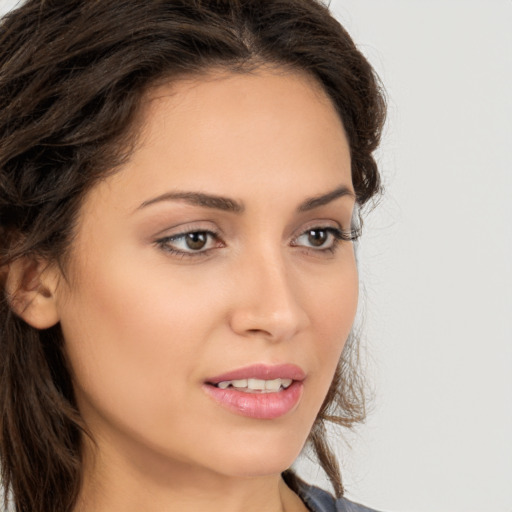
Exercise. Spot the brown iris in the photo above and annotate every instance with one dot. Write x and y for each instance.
(317, 237)
(196, 241)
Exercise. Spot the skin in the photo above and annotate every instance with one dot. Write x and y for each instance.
(144, 327)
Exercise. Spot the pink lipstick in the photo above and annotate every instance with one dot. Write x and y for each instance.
(258, 391)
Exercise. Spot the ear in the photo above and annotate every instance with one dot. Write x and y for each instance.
(31, 286)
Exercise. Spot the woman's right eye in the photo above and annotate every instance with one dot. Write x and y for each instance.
(191, 243)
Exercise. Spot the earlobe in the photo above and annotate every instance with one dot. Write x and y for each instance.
(31, 287)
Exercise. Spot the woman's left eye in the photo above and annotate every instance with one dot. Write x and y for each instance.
(321, 238)
(190, 243)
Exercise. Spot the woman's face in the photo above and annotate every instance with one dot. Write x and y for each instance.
(213, 256)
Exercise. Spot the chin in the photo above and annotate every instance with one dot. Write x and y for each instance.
(261, 457)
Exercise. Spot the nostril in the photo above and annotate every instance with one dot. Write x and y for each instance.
(259, 331)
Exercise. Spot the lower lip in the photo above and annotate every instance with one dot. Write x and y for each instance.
(262, 406)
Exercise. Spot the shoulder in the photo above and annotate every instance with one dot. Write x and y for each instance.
(318, 500)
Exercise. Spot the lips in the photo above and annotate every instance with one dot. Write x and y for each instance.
(258, 391)
(261, 371)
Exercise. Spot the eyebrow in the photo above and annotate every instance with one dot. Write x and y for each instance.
(199, 199)
(230, 205)
(323, 199)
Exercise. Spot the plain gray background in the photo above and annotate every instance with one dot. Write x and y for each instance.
(435, 260)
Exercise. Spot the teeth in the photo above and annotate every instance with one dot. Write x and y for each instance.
(265, 386)
(273, 385)
(256, 384)
(286, 383)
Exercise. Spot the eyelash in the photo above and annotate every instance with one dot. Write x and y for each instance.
(338, 236)
(164, 243)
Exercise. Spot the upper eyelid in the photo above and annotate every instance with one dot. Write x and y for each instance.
(319, 224)
(177, 236)
(334, 231)
(218, 233)
(189, 227)
(181, 234)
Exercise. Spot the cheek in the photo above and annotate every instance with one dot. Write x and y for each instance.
(333, 305)
(130, 341)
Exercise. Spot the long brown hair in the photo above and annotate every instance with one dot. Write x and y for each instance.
(72, 78)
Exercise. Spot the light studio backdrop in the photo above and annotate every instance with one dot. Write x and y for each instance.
(436, 260)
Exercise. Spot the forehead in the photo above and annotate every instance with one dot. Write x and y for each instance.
(219, 84)
(235, 135)
(240, 119)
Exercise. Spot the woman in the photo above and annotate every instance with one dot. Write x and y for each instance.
(180, 189)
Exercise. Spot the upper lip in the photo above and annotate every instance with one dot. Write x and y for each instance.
(261, 371)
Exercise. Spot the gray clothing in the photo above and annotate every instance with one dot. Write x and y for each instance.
(318, 500)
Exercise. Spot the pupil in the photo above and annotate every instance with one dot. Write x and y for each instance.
(196, 240)
(317, 237)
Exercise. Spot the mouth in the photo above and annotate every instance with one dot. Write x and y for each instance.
(256, 385)
(258, 391)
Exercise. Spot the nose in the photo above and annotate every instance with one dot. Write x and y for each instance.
(268, 300)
